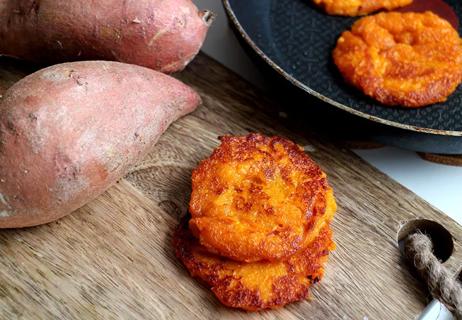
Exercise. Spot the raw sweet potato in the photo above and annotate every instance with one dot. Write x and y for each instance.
(69, 131)
(163, 35)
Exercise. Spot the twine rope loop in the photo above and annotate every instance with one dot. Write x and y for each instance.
(418, 248)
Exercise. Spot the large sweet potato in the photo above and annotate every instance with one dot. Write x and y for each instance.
(69, 131)
(160, 34)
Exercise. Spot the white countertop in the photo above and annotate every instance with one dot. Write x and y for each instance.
(440, 185)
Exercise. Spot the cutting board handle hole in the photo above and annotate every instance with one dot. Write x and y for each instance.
(442, 240)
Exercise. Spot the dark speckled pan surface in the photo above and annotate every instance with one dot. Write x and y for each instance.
(297, 40)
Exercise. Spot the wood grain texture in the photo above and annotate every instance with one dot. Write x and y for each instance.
(113, 259)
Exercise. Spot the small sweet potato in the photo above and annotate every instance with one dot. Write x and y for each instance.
(70, 131)
(163, 35)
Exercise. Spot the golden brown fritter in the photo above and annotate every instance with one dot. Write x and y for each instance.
(256, 198)
(258, 285)
(359, 7)
(402, 59)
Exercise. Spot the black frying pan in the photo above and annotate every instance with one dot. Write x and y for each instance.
(295, 40)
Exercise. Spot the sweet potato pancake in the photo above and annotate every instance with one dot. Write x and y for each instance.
(258, 285)
(256, 198)
(402, 59)
(359, 7)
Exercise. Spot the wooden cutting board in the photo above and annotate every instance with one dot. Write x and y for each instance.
(114, 258)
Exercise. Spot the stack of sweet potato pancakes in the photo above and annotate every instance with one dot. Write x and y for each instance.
(258, 232)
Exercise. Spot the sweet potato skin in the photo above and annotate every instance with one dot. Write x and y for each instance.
(70, 131)
(163, 35)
